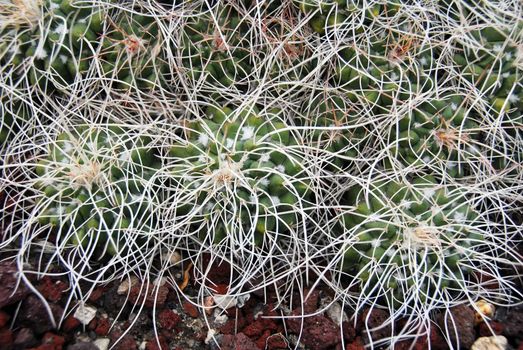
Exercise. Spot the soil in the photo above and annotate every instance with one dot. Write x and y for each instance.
(130, 315)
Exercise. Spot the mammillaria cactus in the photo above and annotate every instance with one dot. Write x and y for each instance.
(411, 241)
(439, 133)
(14, 115)
(62, 40)
(237, 176)
(335, 13)
(213, 47)
(333, 130)
(92, 186)
(493, 62)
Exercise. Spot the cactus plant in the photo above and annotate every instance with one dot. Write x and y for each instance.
(213, 47)
(492, 62)
(439, 133)
(330, 14)
(334, 131)
(413, 241)
(14, 116)
(92, 186)
(65, 41)
(237, 176)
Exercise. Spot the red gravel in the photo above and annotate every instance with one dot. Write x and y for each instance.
(190, 309)
(168, 319)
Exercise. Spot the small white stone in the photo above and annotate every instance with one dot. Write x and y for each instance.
(126, 284)
(85, 314)
(219, 317)
(102, 343)
(224, 301)
(210, 335)
(490, 343)
(174, 258)
(335, 313)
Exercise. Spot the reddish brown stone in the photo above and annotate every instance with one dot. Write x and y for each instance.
(376, 319)
(96, 294)
(4, 318)
(349, 332)
(220, 288)
(150, 296)
(311, 304)
(460, 323)
(126, 343)
(34, 314)
(190, 309)
(6, 338)
(237, 342)
(262, 341)
(485, 331)
(437, 341)
(102, 326)
(219, 271)
(168, 319)
(277, 341)
(70, 324)
(319, 332)
(52, 341)
(92, 325)
(259, 326)
(153, 344)
(357, 344)
(12, 290)
(52, 290)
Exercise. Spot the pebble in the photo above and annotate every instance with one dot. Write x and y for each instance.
(126, 285)
(335, 313)
(85, 314)
(225, 302)
(210, 335)
(83, 346)
(102, 343)
(484, 309)
(490, 343)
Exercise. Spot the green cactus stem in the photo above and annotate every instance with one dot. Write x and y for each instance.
(91, 186)
(237, 176)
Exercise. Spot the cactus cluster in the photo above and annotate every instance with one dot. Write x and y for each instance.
(93, 180)
(14, 115)
(377, 144)
(333, 129)
(212, 47)
(439, 132)
(65, 41)
(236, 175)
(494, 65)
(335, 13)
(415, 234)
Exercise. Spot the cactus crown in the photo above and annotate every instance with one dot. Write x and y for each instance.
(237, 169)
(94, 181)
(411, 234)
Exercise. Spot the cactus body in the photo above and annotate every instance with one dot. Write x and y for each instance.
(438, 133)
(92, 185)
(411, 234)
(239, 175)
(71, 41)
